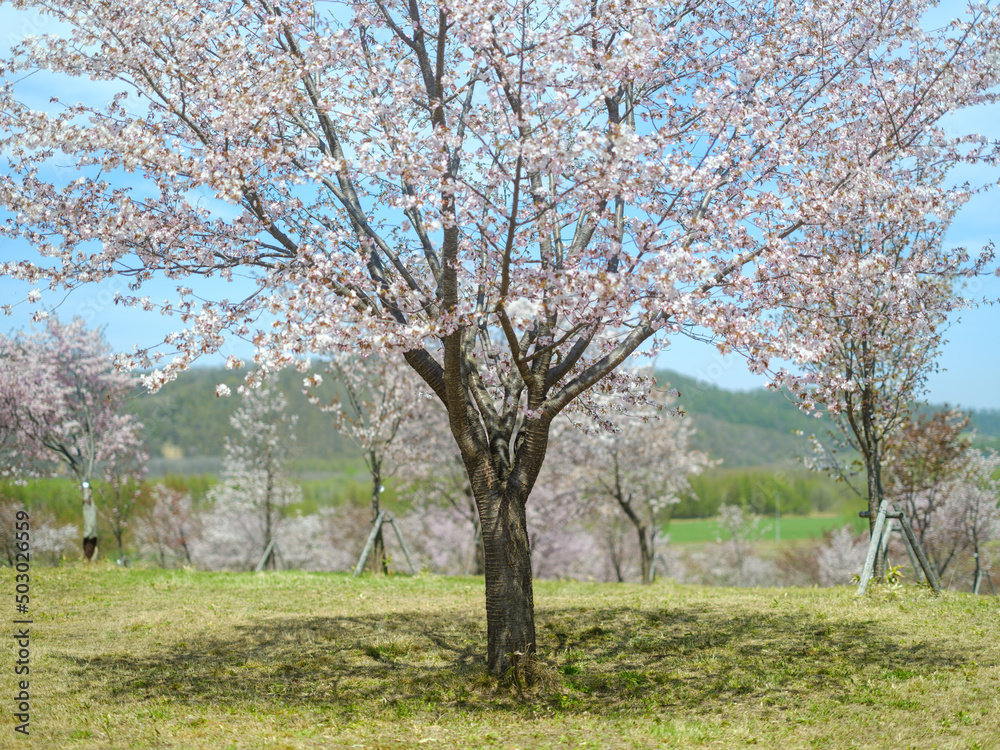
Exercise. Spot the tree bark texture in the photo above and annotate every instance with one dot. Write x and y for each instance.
(479, 553)
(501, 488)
(510, 605)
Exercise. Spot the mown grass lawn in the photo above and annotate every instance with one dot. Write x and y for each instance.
(179, 659)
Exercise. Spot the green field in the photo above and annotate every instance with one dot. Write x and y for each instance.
(179, 659)
(791, 528)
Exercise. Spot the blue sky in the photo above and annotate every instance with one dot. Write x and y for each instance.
(969, 363)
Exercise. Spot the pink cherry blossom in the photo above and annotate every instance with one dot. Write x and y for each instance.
(238, 529)
(638, 469)
(61, 403)
(381, 400)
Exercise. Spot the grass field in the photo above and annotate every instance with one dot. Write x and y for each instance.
(178, 659)
(792, 528)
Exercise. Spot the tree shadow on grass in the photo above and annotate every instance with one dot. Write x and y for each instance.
(601, 661)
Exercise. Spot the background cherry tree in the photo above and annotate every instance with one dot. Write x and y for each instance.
(62, 402)
(880, 339)
(247, 504)
(380, 395)
(975, 501)
(948, 490)
(164, 530)
(637, 470)
(539, 188)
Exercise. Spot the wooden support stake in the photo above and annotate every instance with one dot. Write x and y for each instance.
(384, 517)
(873, 546)
(371, 542)
(890, 524)
(932, 578)
(406, 551)
(263, 558)
(914, 563)
(912, 547)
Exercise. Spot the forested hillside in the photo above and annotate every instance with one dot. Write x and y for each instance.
(186, 419)
(752, 428)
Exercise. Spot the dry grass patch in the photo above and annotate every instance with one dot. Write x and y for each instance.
(160, 659)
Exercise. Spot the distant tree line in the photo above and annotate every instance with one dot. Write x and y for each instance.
(762, 491)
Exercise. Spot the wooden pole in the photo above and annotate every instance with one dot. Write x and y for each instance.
(376, 527)
(873, 546)
(886, 534)
(932, 579)
(406, 551)
(912, 545)
(914, 563)
(263, 558)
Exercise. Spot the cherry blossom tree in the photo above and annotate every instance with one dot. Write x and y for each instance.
(164, 529)
(948, 490)
(61, 402)
(247, 503)
(381, 394)
(539, 187)
(976, 501)
(880, 338)
(926, 454)
(640, 469)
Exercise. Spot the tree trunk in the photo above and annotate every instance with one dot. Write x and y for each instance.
(378, 563)
(479, 557)
(502, 454)
(470, 512)
(645, 555)
(89, 523)
(646, 550)
(510, 606)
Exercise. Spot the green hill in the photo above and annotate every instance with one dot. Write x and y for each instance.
(744, 428)
(186, 420)
(758, 427)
